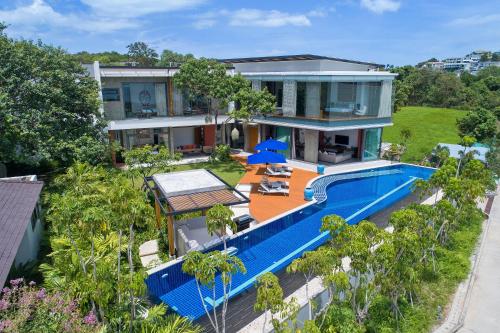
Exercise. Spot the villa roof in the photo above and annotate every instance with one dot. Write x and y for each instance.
(18, 199)
(294, 57)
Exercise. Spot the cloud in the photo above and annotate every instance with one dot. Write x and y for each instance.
(266, 18)
(136, 8)
(253, 18)
(475, 20)
(40, 14)
(380, 6)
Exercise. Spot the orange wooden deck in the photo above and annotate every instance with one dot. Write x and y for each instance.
(263, 207)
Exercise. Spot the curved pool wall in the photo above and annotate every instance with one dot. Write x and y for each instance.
(273, 246)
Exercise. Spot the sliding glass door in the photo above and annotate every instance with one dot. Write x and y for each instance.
(371, 144)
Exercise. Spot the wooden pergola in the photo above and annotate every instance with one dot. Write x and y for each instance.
(170, 202)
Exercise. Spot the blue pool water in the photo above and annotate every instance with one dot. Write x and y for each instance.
(274, 245)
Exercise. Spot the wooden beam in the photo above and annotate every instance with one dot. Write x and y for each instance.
(170, 231)
(157, 211)
(170, 92)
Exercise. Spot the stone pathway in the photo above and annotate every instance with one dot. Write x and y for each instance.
(483, 307)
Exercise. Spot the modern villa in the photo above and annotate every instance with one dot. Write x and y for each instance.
(329, 110)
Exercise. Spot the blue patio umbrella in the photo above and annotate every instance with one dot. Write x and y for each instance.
(271, 144)
(267, 157)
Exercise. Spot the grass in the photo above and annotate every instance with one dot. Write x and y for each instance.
(429, 126)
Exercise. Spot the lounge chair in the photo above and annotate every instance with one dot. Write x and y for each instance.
(276, 183)
(271, 172)
(282, 168)
(264, 189)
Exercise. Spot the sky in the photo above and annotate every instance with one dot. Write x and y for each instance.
(395, 32)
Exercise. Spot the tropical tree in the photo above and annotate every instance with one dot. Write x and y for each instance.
(172, 58)
(205, 267)
(479, 123)
(218, 218)
(269, 296)
(209, 79)
(148, 159)
(49, 107)
(142, 53)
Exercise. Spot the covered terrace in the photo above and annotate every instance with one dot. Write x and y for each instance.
(190, 191)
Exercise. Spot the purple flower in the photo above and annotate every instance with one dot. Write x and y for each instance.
(16, 282)
(4, 305)
(5, 324)
(41, 294)
(90, 319)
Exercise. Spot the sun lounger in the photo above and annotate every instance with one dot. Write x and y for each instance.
(282, 168)
(271, 172)
(264, 189)
(276, 183)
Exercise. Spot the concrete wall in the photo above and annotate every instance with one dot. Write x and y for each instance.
(289, 98)
(300, 65)
(313, 99)
(385, 108)
(311, 138)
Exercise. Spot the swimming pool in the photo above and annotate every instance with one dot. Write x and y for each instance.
(272, 246)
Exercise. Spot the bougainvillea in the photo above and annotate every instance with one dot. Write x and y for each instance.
(27, 308)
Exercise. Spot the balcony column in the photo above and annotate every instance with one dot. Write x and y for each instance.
(385, 108)
(289, 98)
(111, 135)
(256, 85)
(313, 99)
(311, 141)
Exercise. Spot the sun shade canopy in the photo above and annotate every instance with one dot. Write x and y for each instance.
(266, 157)
(202, 200)
(271, 144)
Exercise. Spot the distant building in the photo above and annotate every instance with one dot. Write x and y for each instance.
(20, 222)
(471, 62)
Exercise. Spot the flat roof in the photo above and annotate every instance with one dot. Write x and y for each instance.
(187, 182)
(202, 200)
(294, 57)
(18, 198)
(161, 122)
(455, 151)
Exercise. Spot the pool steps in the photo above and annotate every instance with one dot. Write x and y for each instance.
(319, 186)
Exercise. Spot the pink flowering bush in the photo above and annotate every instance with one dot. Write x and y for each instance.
(26, 308)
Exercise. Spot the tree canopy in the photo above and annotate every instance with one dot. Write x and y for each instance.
(49, 106)
(142, 53)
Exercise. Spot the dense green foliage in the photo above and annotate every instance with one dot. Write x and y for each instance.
(140, 53)
(94, 255)
(480, 124)
(105, 58)
(49, 108)
(429, 126)
(423, 86)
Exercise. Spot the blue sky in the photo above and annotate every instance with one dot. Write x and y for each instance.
(385, 31)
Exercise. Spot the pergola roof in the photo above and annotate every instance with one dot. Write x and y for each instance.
(193, 190)
(202, 200)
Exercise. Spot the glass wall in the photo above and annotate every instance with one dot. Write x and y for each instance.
(349, 99)
(275, 88)
(194, 105)
(338, 100)
(371, 143)
(144, 99)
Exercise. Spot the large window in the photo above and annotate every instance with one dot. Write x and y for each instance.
(350, 99)
(275, 88)
(144, 99)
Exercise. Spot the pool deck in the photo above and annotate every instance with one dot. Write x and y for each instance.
(265, 207)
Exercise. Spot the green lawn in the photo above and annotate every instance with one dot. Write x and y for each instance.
(429, 126)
